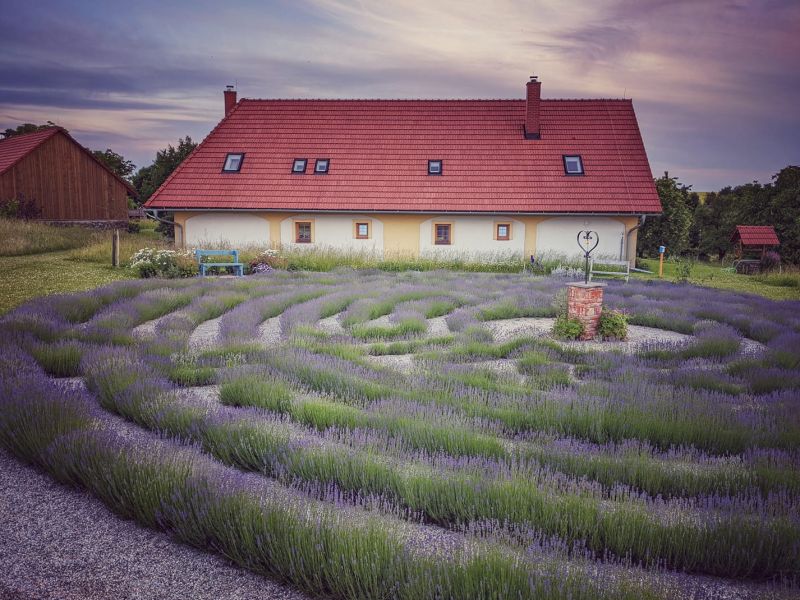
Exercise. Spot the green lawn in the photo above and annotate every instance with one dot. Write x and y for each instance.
(713, 275)
(25, 277)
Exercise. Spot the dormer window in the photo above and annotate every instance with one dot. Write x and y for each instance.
(299, 166)
(233, 163)
(573, 165)
(435, 167)
(321, 166)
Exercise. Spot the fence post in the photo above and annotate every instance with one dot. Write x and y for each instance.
(115, 249)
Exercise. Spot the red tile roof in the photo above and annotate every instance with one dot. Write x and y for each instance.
(14, 149)
(379, 151)
(756, 235)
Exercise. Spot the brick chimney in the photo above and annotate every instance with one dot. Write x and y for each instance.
(533, 98)
(230, 99)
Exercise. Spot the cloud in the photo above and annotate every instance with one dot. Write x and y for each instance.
(142, 74)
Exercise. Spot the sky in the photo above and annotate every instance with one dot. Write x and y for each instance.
(715, 83)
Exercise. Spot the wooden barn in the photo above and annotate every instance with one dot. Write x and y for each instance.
(67, 183)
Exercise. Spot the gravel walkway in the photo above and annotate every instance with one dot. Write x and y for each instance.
(507, 329)
(205, 335)
(398, 362)
(148, 329)
(269, 332)
(437, 326)
(58, 543)
(331, 325)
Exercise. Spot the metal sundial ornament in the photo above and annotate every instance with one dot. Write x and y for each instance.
(585, 239)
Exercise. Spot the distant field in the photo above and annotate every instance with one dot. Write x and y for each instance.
(422, 436)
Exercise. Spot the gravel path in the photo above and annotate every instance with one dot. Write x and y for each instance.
(331, 325)
(269, 332)
(205, 335)
(507, 329)
(58, 543)
(438, 327)
(148, 329)
(399, 362)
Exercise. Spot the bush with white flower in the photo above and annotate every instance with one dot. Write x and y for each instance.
(267, 261)
(170, 264)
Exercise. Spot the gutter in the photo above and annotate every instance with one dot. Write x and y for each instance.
(410, 212)
(153, 214)
(630, 231)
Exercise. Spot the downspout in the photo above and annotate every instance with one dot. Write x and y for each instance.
(628, 237)
(154, 215)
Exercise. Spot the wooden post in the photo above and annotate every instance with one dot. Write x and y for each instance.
(661, 250)
(115, 249)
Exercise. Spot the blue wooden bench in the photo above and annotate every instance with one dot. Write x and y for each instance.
(238, 268)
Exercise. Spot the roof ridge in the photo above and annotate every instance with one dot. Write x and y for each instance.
(431, 100)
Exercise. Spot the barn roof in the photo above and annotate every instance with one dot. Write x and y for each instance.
(14, 149)
(756, 235)
(379, 152)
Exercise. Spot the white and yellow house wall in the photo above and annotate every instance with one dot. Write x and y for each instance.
(409, 235)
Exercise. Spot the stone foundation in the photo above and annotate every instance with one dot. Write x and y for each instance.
(99, 224)
(585, 303)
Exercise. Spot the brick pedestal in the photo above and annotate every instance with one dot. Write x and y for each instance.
(585, 303)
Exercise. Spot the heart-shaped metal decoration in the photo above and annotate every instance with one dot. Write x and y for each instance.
(586, 236)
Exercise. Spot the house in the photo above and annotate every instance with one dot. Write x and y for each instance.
(67, 183)
(417, 177)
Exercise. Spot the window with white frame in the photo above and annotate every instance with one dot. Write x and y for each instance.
(233, 162)
(573, 165)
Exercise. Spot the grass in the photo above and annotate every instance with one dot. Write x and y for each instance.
(404, 328)
(99, 251)
(711, 274)
(38, 259)
(27, 277)
(18, 238)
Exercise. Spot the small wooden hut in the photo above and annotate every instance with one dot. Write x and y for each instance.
(750, 244)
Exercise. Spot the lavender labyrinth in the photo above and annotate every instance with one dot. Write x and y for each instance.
(362, 434)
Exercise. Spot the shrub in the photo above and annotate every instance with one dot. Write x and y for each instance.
(59, 360)
(613, 325)
(567, 328)
(770, 261)
(683, 269)
(171, 264)
(19, 208)
(134, 227)
(268, 260)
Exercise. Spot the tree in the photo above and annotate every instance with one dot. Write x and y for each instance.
(27, 128)
(147, 179)
(671, 229)
(115, 162)
(776, 204)
(784, 212)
